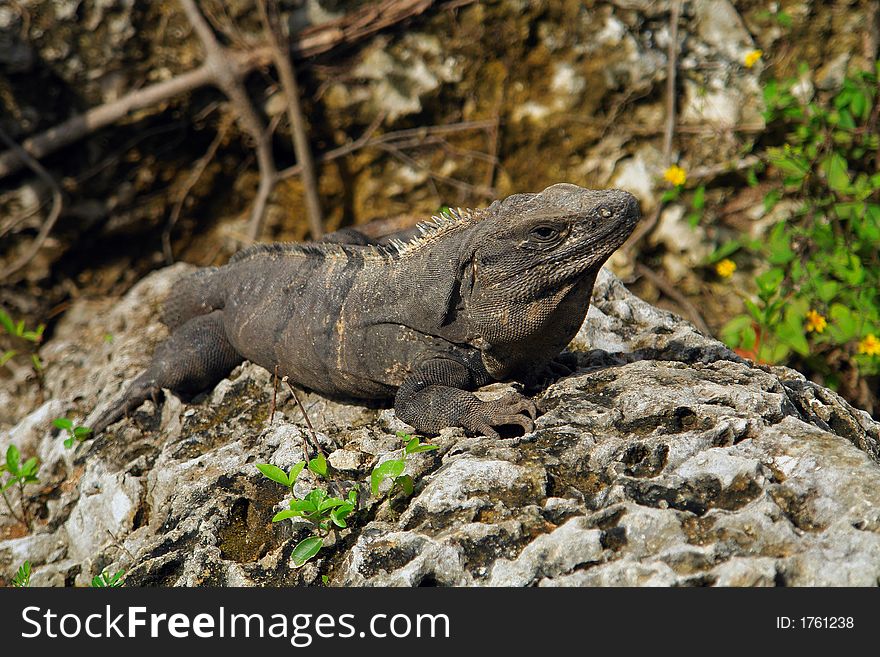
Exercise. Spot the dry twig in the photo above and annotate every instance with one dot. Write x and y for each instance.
(346, 30)
(54, 213)
(305, 415)
(191, 180)
(290, 87)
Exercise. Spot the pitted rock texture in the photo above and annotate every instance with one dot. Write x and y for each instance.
(663, 459)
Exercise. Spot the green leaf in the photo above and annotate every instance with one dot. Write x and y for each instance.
(305, 550)
(411, 445)
(352, 497)
(318, 465)
(844, 325)
(13, 457)
(7, 323)
(304, 506)
(273, 472)
(22, 577)
(381, 472)
(63, 423)
(769, 282)
(68, 442)
(836, 172)
(670, 195)
(699, 198)
(284, 515)
(7, 355)
(406, 484)
(779, 244)
(723, 251)
(339, 514)
(29, 467)
(771, 199)
(826, 290)
(294, 472)
(330, 503)
(81, 432)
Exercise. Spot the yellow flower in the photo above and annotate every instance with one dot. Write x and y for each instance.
(675, 175)
(815, 322)
(752, 58)
(725, 268)
(870, 345)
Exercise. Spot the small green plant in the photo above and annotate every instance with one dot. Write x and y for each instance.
(322, 511)
(19, 332)
(318, 465)
(697, 202)
(105, 580)
(74, 433)
(317, 508)
(18, 474)
(22, 577)
(817, 299)
(393, 468)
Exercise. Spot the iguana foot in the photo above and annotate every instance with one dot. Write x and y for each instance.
(195, 357)
(510, 409)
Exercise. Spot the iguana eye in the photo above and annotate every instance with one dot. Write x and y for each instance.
(545, 233)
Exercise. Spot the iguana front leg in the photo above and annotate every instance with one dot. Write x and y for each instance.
(434, 397)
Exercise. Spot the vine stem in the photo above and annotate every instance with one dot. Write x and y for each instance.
(11, 510)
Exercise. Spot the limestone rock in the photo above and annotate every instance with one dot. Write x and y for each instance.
(663, 459)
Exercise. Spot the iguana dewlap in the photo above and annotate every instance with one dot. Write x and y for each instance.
(469, 298)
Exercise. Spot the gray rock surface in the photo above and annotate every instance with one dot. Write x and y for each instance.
(663, 459)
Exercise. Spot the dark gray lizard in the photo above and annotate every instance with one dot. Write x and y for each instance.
(466, 299)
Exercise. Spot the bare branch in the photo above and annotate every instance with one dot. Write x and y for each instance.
(54, 213)
(287, 75)
(645, 228)
(229, 79)
(347, 29)
(191, 180)
(79, 126)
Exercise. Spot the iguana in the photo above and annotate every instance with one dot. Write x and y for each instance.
(465, 299)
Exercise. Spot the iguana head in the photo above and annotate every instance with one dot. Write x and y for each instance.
(530, 264)
(529, 244)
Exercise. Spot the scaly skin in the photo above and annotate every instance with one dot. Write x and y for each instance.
(481, 296)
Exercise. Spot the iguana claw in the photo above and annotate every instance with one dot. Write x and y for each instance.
(512, 408)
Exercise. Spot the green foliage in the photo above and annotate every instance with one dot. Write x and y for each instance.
(74, 433)
(822, 254)
(325, 512)
(322, 511)
(106, 581)
(317, 508)
(278, 475)
(22, 578)
(305, 550)
(18, 474)
(393, 468)
(17, 331)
